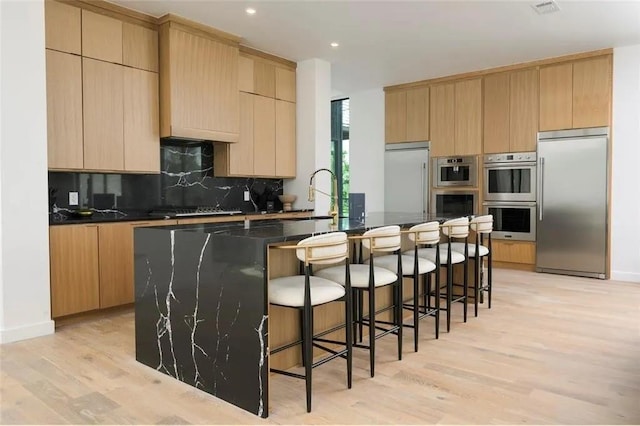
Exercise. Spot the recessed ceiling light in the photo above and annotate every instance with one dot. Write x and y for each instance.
(334, 44)
(250, 11)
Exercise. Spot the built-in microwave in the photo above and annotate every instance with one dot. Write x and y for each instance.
(454, 203)
(454, 171)
(510, 177)
(512, 221)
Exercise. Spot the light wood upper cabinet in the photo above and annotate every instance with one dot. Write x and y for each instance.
(417, 114)
(236, 159)
(442, 119)
(64, 110)
(245, 74)
(139, 47)
(101, 37)
(103, 87)
(556, 91)
(264, 78)
(75, 274)
(496, 113)
(115, 249)
(576, 94)
(141, 121)
(199, 95)
(285, 84)
(592, 92)
(264, 136)
(468, 117)
(523, 111)
(285, 139)
(62, 27)
(395, 116)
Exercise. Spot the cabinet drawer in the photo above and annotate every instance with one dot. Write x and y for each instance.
(514, 251)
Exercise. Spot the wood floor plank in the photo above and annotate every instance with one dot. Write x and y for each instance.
(553, 349)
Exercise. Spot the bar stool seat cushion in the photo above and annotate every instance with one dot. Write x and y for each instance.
(390, 262)
(359, 275)
(289, 291)
(459, 247)
(430, 254)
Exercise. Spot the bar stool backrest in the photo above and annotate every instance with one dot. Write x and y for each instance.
(482, 224)
(324, 249)
(425, 233)
(383, 239)
(456, 228)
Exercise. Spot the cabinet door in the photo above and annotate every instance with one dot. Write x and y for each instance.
(442, 119)
(116, 264)
(241, 153)
(64, 110)
(102, 90)
(556, 89)
(74, 269)
(395, 116)
(285, 84)
(141, 121)
(62, 27)
(264, 78)
(139, 47)
(101, 37)
(264, 136)
(592, 92)
(199, 87)
(468, 117)
(496, 113)
(285, 139)
(523, 123)
(514, 251)
(245, 74)
(418, 114)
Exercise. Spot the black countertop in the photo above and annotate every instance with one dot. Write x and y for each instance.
(67, 218)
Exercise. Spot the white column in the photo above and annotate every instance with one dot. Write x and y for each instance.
(366, 147)
(625, 195)
(24, 231)
(313, 134)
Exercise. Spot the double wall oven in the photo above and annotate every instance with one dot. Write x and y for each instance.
(510, 194)
(454, 186)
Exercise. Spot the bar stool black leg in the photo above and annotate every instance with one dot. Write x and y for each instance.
(360, 314)
(348, 315)
(437, 298)
(449, 291)
(489, 269)
(372, 331)
(465, 289)
(477, 261)
(416, 321)
(399, 316)
(302, 336)
(308, 353)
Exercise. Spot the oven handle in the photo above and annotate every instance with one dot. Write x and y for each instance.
(509, 204)
(541, 188)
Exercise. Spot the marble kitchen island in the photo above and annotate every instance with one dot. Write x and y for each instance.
(201, 304)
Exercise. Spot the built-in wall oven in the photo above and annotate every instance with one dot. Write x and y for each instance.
(454, 171)
(510, 177)
(453, 203)
(512, 220)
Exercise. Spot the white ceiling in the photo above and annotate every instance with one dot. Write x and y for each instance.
(390, 42)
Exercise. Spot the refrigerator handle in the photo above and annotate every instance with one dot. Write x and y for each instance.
(541, 187)
(423, 181)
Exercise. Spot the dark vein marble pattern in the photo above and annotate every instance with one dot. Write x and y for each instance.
(201, 303)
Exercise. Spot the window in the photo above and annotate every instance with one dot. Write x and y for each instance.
(340, 151)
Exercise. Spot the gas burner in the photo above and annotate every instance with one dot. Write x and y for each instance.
(186, 211)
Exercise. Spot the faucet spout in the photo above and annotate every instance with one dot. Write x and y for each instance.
(334, 199)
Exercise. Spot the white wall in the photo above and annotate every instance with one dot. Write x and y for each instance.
(24, 241)
(625, 185)
(366, 147)
(313, 134)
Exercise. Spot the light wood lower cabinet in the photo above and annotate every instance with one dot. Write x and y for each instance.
(513, 251)
(75, 275)
(115, 248)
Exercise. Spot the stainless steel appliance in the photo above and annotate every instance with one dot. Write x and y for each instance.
(189, 211)
(454, 171)
(454, 203)
(406, 177)
(512, 220)
(510, 177)
(572, 202)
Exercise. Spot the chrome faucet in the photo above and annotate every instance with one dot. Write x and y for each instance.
(334, 199)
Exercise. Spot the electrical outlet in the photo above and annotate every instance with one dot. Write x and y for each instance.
(246, 196)
(73, 198)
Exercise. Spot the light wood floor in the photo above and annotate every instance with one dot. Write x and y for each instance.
(553, 349)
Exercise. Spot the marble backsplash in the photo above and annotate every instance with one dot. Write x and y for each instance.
(186, 179)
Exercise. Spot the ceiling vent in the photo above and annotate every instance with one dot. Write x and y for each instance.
(546, 7)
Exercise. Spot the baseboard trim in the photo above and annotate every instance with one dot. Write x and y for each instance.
(24, 332)
(632, 277)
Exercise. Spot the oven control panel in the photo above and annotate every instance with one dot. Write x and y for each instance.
(516, 157)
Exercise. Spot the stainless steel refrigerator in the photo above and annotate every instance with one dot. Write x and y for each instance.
(571, 232)
(406, 177)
